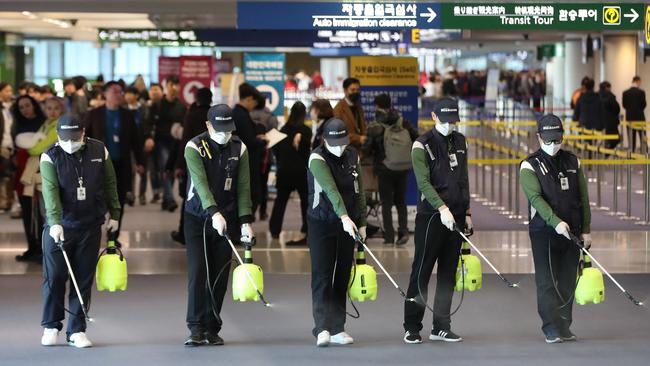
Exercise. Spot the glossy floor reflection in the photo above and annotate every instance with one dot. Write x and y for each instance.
(150, 250)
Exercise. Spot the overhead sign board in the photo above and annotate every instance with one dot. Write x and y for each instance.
(336, 15)
(421, 15)
(581, 16)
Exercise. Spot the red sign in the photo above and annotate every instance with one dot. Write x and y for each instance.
(195, 73)
(167, 66)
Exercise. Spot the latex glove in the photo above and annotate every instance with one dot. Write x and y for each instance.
(56, 232)
(247, 234)
(362, 232)
(563, 229)
(469, 225)
(586, 240)
(219, 223)
(349, 226)
(447, 218)
(112, 225)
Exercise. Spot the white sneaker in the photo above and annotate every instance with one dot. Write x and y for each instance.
(49, 336)
(341, 338)
(323, 339)
(80, 340)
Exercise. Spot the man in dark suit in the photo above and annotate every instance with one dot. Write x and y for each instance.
(634, 103)
(115, 127)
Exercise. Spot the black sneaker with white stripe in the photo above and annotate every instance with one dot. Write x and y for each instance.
(445, 336)
(412, 337)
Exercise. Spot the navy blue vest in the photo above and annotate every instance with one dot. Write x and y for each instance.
(223, 165)
(87, 163)
(565, 203)
(344, 171)
(451, 184)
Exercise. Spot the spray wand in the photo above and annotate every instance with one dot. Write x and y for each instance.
(502, 277)
(360, 240)
(74, 282)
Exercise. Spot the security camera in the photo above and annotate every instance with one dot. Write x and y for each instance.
(155, 18)
(480, 45)
(526, 36)
(73, 22)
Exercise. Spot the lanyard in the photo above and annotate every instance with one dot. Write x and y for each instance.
(80, 177)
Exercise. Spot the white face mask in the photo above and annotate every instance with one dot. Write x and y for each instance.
(445, 129)
(551, 149)
(335, 150)
(71, 146)
(220, 138)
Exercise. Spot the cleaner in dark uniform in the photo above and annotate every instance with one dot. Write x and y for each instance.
(440, 164)
(79, 187)
(336, 212)
(556, 188)
(218, 198)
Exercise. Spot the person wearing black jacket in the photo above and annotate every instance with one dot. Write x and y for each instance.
(611, 110)
(115, 127)
(391, 182)
(588, 111)
(634, 103)
(292, 155)
(164, 116)
(246, 131)
(193, 125)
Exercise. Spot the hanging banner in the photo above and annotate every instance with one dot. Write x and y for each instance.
(167, 66)
(397, 77)
(195, 73)
(265, 71)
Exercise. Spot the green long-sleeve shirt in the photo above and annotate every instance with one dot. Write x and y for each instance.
(51, 189)
(323, 176)
(49, 130)
(533, 190)
(200, 181)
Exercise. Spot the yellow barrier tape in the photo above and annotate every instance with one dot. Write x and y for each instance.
(582, 162)
(591, 137)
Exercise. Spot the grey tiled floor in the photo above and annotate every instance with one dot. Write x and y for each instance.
(150, 250)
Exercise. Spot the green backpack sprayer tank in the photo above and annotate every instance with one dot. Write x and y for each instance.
(591, 287)
(111, 272)
(468, 274)
(363, 280)
(242, 289)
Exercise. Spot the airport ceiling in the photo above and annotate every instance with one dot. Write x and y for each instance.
(80, 19)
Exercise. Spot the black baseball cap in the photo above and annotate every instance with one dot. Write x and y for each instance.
(447, 110)
(220, 117)
(335, 132)
(550, 127)
(69, 128)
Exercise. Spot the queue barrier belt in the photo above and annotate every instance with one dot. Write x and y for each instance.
(582, 162)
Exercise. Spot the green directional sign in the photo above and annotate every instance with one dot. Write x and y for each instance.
(587, 16)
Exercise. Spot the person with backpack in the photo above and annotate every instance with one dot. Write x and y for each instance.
(389, 143)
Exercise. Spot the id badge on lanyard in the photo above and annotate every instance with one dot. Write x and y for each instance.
(453, 161)
(228, 185)
(564, 182)
(356, 181)
(81, 190)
